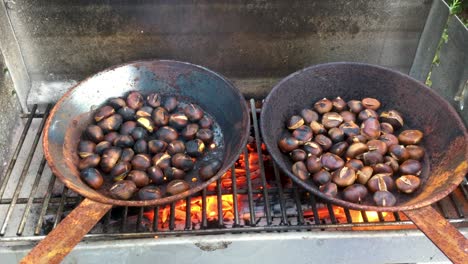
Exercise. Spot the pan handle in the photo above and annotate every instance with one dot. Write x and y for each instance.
(58, 243)
(443, 234)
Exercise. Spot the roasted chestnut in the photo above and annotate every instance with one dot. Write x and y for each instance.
(410, 166)
(135, 100)
(195, 148)
(339, 104)
(370, 128)
(371, 103)
(103, 112)
(111, 136)
(321, 177)
(140, 146)
(372, 157)
(298, 155)
(127, 127)
(336, 134)
(377, 145)
(364, 174)
(415, 152)
(193, 112)
(175, 146)
(350, 128)
(356, 149)
(149, 192)
(178, 120)
(145, 111)
(92, 177)
(356, 139)
(317, 128)
(355, 193)
(323, 141)
(383, 168)
(323, 106)
(355, 106)
(205, 122)
(94, 133)
(210, 169)
(90, 161)
(140, 178)
(124, 141)
(141, 162)
(309, 115)
(205, 135)
(156, 175)
(384, 198)
(171, 173)
(313, 164)
(398, 152)
(190, 131)
(331, 161)
(146, 123)
(410, 137)
(367, 113)
(162, 160)
(380, 182)
(389, 139)
(408, 183)
(123, 190)
(386, 128)
(153, 99)
(112, 123)
(156, 146)
(182, 161)
(160, 116)
(339, 148)
(127, 113)
(177, 186)
(299, 169)
(127, 155)
(117, 103)
(167, 134)
(303, 133)
(331, 119)
(392, 117)
(348, 116)
(344, 177)
(139, 133)
(86, 148)
(170, 103)
(120, 170)
(392, 162)
(354, 164)
(313, 148)
(109, 158)
(329, 189)
(295, 122)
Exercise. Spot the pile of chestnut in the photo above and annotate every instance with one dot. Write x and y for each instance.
(348, 149)
(139, 144)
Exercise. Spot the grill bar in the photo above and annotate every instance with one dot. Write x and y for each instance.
(264, 202)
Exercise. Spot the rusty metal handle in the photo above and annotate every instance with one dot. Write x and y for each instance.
(58, 243)
(443, 234)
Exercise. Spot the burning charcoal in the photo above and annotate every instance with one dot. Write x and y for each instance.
(323, 106)
(92, 177)
(149, 192)
(177, 186)
(123, 189)
(408, 183)
(355, 193)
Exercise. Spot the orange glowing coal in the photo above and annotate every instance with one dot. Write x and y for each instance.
(196, 205)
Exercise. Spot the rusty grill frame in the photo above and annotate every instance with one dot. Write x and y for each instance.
(62, 202)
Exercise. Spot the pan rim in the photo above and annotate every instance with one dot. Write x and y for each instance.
(355, 206)
(100, 198)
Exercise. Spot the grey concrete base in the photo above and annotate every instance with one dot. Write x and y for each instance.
(409, 246)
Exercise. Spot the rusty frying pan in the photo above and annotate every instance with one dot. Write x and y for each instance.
(445, 142)
(73, 112)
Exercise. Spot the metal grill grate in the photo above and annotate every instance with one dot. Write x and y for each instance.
(33, 203)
